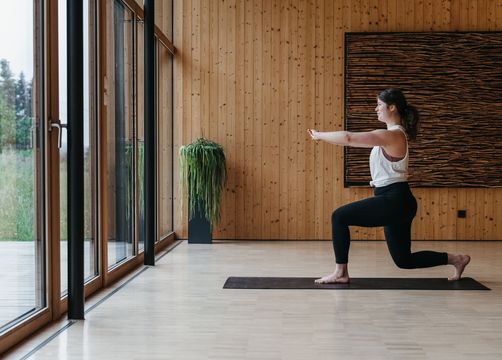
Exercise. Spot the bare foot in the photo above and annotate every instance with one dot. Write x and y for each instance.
(460, 262)
(334, 278)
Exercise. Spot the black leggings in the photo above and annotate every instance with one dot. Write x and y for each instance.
(394, 208)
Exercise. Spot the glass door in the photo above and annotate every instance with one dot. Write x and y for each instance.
(125, 135)
(140, 134)
(90, 136)
(120, 135)
(22, 171)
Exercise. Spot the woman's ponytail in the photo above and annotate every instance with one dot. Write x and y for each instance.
(410, 121)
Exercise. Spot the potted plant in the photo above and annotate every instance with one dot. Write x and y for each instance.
(203, 174)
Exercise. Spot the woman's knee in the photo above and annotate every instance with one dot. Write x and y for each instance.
(402, 262)
(337, 216)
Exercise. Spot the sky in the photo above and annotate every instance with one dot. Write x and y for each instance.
(16, 35)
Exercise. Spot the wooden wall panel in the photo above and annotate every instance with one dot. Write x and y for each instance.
(282, 110)
(253, 75)
(294, 64)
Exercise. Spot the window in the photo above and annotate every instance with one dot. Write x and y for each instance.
(164, 142)
(22, 149)
(90, 136)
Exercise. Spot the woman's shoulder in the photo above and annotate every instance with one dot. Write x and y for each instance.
(399, 130)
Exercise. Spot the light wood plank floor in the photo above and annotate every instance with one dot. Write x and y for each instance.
(179, 310)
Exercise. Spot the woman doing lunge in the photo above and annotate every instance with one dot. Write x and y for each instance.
(393, 205)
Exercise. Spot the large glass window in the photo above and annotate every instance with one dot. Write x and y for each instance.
(164, 130)
(90, 135)
(33, 103)
(91, 262)
(141, 135)
(120, 133)
(22, 244)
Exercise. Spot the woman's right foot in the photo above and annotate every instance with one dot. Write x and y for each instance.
(335, 278)
(459, 262)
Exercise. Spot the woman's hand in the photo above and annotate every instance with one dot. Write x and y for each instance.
(314, 134)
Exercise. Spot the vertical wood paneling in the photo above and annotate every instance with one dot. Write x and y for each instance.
(258, 40)
(284, 108)
(240, 117)
(196, 70)
(179, 226)
(253, 75)
(205, 72)
(455, 15)
(187, 72)
(214, 50)
(418, 15)
(496, 223)
(461, 224)
(451, 215)
(399, 15)
(491, 15)
(275, 120)
(248, 165)
(317, 189)
(183, 103)
(383, 19)
(391, 15)
(231, 151)
(302, 119)
(293, 118)
(463, 15)
(487, 223)
(472, 214)
(266, 196)
(327, 82)
(472, 13)
(222, 119)
(498, 14)
(310, 89)
(374, 16)
(482, 15)
(428, 15)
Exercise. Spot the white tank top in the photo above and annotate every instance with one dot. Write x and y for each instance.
(385, 172)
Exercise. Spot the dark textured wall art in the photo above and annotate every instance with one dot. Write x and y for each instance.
(455, 81)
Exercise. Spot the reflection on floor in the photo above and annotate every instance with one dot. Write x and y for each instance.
(179, 310)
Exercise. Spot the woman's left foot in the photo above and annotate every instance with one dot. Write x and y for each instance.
(334, 278)
(460, 263)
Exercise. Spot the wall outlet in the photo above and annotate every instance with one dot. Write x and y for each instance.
(461, 213)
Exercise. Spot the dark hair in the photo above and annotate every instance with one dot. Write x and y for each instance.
(408, 113)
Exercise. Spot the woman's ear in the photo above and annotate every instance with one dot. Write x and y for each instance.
(392, 108)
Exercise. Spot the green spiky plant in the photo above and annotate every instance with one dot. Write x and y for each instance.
(203, 173)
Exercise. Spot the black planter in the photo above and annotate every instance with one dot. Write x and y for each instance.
(199, 229)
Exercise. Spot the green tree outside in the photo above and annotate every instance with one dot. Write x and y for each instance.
(16, 157)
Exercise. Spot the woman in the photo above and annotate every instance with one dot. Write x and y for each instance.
(393, 205)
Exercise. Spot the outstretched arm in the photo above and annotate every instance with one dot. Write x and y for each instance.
(357, 139)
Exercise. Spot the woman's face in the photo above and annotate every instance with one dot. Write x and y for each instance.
(383, 111)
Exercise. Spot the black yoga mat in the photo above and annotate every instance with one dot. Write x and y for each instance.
(355, 284)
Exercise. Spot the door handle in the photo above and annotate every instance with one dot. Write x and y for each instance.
(57, 125)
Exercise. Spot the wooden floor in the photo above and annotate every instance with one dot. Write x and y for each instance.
(179, 310)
